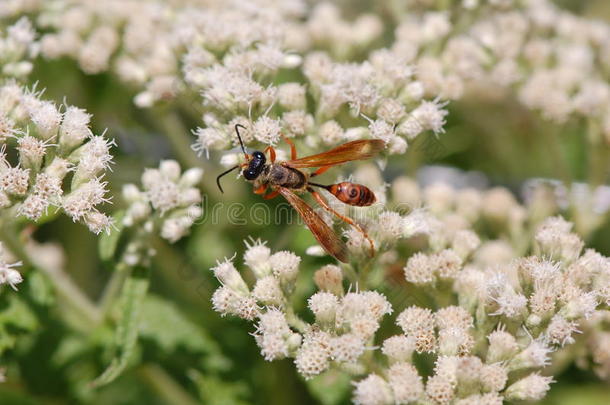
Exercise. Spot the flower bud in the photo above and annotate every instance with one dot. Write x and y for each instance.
(531, 388)
(228, 275)
(329, 278)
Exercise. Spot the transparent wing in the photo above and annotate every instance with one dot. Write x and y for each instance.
(355, 150)
(329, 240)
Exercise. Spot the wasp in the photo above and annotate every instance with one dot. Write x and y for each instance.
(286, 178)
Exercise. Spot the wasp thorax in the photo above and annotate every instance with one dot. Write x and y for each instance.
(256, 165)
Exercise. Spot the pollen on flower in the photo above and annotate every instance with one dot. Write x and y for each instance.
(418, 323)
(440, 389)
(14, 180)
(313, 357)
(33, 207)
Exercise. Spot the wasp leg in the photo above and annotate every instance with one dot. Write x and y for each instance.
(293, 149)
(271, 195)
(324, 204)
(271, 153)
(261, 189)
(319, 171)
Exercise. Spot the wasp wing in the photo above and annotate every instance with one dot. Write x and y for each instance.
(355, 150)
(322, 232)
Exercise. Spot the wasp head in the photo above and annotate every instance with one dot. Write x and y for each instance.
(254, 166)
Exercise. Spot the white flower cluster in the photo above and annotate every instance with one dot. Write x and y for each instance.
(509, 292)
(233, 55)
(590, 205)
(543, 301)
(552, 59)
(377, 98)
(8, 274)
(344, 325)
(59, 162)
(168, 205)
(17, 45)
(156, 45)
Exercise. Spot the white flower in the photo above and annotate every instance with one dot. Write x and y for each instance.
(531, 388)
(373, 390)
(8, 274)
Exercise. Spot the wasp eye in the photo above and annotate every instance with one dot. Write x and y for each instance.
(259, 156)
(250, 174)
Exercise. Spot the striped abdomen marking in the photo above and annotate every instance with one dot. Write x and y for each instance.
(353, 194)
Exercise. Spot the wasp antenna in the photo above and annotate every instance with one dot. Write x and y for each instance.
(237, 126)
(222, 174)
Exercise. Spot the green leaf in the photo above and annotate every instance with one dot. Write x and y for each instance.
(158, 313)
(131, 304)
(18, 314)
(16, 317)
(108, 242)
(214, 390)
(330, 388)
(40, 289)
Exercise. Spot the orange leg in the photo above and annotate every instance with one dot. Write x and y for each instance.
(271, 153)
(319, 171)
(350, 221)
(261, 189)
(271, 195)
(293, 149)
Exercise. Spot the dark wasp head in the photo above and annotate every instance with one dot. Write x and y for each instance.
(255, 166)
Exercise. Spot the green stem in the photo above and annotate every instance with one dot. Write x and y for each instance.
(112, 289)
(599, 168)
(64, 286)
(364, 273)
(179, 137)
(555, 152)
(165, 385)
(296, 322)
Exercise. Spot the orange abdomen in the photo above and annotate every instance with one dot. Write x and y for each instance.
(353, 194)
